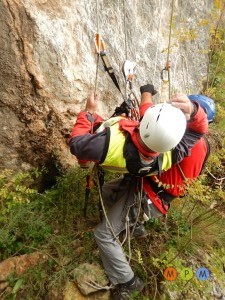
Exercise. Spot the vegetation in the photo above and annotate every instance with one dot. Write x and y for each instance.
(52, 222)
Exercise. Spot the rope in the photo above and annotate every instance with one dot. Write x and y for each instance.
(97, 13)
(157, 43)
(168, 52)
(166, 83)
(96, 74)
(97, 286)
(130, 96)
(139, 198)
(128, 236)
(98, 54)
(125, 28)
(216, 178)
(104, 210)
(125, 39)
(182, 173)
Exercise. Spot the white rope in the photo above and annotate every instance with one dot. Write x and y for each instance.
(218, 179)
(125, 29)
(104, 211)
(157, 41)
(97, 286)
(129, 239)
(177, 56)
(98, 54)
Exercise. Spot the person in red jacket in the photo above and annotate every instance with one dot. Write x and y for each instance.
(125, 145)
(162, 188)
(140, 160)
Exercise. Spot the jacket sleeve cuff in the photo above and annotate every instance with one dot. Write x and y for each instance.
(144, 107)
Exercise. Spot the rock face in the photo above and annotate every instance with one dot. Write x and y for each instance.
(48, 65)
(19, 264)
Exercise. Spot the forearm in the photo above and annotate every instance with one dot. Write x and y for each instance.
(88, 146)
(147, 92)
(146, 102)
(85, 123)
(198, 121)
(183, 149)
(197, 126)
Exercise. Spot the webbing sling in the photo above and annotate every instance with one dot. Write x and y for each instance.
(108, 68)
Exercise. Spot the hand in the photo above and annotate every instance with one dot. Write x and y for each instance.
(181, 101)
(92, 103)
(148, 88)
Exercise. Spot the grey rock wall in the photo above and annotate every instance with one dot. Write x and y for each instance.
(48, 64)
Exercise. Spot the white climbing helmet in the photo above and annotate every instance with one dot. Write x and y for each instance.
(162, 127)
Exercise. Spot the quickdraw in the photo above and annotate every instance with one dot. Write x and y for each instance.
(101, 51)
(129, 70)
(165, 77)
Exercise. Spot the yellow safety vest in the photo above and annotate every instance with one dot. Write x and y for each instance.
(114, 160)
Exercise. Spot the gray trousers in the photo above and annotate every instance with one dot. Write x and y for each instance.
(117, 199)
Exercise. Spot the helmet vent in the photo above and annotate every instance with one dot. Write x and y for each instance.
(158, 118)
(159, 114)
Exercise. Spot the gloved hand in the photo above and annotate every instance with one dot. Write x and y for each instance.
(149, 88)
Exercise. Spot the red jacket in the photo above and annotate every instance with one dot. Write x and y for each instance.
(87, 146)
(175, 180)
